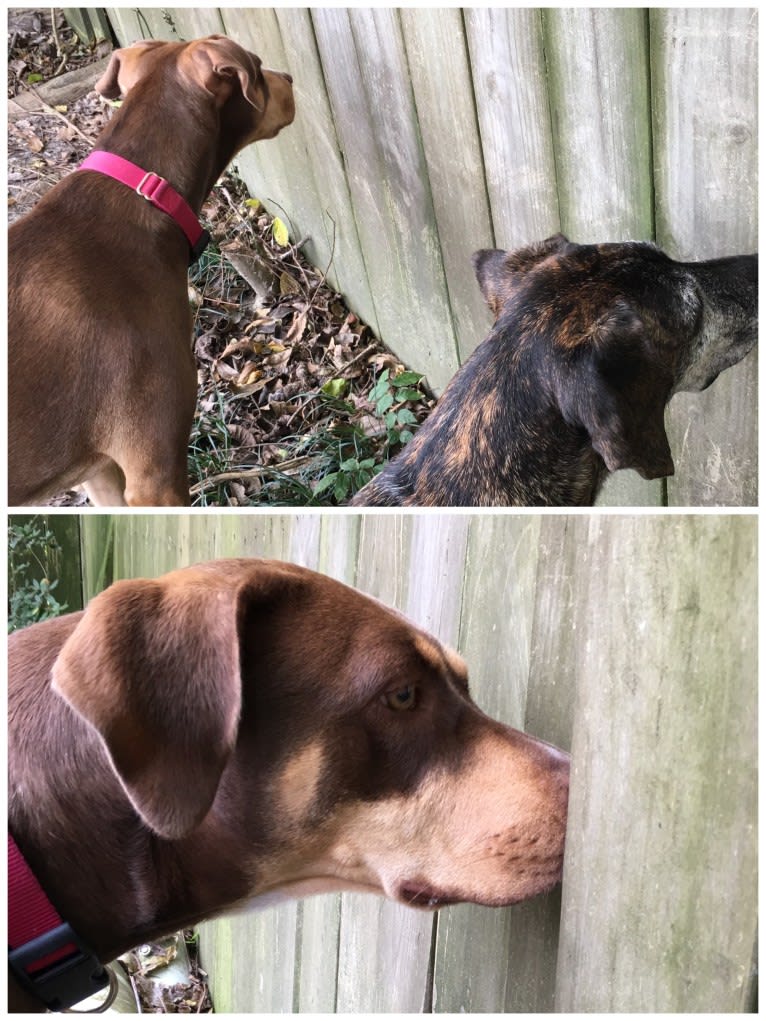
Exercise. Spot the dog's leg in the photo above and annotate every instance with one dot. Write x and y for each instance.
(138, 486)
(107, 487)
(157, 485)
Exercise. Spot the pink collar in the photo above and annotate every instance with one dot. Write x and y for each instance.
(46, 956)
(154, 189)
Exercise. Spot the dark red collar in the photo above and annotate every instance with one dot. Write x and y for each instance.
(46, 956)
(154, 189)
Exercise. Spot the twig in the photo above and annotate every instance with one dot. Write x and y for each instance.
(61, 49)
(56, 39)
(358, 357)
(294, 248)
(249, 473)
(47, 108)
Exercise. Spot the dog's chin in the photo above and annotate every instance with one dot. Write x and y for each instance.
(428, 898)
(416, 895)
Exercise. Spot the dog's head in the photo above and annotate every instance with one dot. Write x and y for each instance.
(331, 742)
(619, 328)
(255, 103)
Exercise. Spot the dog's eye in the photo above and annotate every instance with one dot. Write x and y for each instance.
(401, 698)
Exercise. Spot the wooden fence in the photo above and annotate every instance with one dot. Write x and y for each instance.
(425, 134)
(630, 640)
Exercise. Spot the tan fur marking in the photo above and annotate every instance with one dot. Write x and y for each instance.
(456, 663)
(430, 651)
(299, 779)
(495, 849)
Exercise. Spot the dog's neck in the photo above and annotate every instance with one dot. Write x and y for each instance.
(114, 881)
(186, 147)
(485, 448)
(118, 885)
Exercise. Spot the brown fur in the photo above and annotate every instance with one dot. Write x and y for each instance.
(102, 383)
(230, 732)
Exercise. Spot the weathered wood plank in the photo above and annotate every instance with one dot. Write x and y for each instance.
(704, 74)
(256, 958)
(365, 71)
(90, 23)
(659, 885)
(318, 940)
(509, 84)
(171, 23)
(501, 560)
(597, 62)
(126, 24)
(446, 112)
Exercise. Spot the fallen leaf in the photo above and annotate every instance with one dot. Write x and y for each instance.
(280, 233)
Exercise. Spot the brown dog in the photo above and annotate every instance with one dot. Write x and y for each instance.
(245, 728)
(102, 383)
(590, 343)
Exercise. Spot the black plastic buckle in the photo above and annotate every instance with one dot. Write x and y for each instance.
(64, 982)
(196, 250)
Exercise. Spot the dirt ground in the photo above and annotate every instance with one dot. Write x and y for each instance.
(298, 402)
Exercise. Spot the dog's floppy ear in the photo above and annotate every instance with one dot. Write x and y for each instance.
(499, 272)
(154, 667)
(215, 61)
(117, 80)
(613, 389)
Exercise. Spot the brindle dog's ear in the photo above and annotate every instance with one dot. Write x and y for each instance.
(499, 272)
(612, 388)
(155, 669)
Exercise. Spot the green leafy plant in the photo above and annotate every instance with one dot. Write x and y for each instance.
(351, 475)
(32, 550)
(356, 458)
(389, 396)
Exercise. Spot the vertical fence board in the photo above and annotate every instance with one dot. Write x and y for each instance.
(252, 957)
(661, 840)
(326, 544)
(97, 547)
(509, 83)
(597, 61)
(704, 78)
(447, 118)
(126, 23)
(366, 76)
